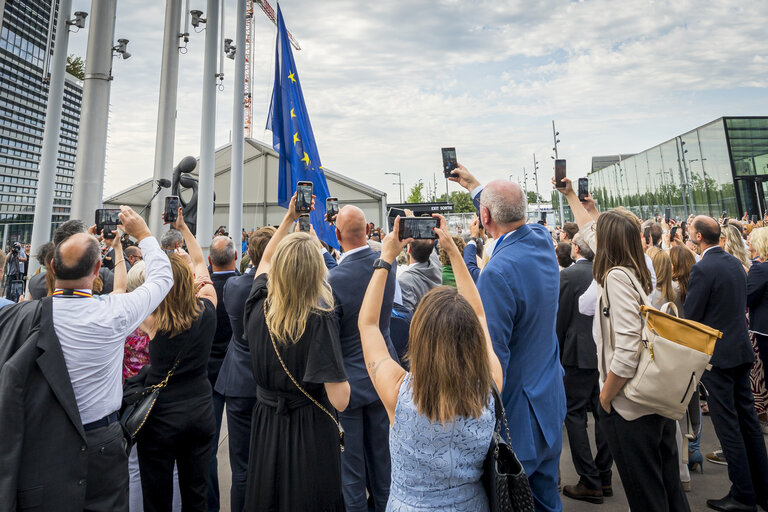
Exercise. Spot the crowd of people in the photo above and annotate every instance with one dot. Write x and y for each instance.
(363, 379)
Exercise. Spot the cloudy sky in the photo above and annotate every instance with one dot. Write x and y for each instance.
(387, 83)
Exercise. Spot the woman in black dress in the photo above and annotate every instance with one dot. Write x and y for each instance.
(181, 426)
(294, 461)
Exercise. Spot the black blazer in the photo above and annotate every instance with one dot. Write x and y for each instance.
(574, 330)
(223, 334)
(757, 297)
(349, 281)
(717, 297)
(43, 451)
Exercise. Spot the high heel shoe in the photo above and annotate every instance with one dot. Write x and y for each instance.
(695, 461)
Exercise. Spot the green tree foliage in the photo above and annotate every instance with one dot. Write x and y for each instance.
(76, 67)
(533, 197)
(416, 195)
(462, 202)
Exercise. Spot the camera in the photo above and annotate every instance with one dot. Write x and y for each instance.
(16, 247)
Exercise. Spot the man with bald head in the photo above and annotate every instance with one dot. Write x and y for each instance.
(365, 421)
(717, 297)
(61, 391)
(519, 287)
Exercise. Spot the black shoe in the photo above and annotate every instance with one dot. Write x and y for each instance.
(583, 493)
(730, 504)
(607, 491)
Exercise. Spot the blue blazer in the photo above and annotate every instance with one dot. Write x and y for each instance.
(349, 281)
(757, 297)
(717, 297)
(519, 287)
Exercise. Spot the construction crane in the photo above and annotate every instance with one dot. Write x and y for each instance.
(249, 57)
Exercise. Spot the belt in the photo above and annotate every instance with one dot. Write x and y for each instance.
(103, 422)
(281, 401)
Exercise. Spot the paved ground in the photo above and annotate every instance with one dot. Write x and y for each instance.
(712, 483)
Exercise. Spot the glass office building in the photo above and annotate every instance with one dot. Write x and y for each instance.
(23, 98)
(722, 165)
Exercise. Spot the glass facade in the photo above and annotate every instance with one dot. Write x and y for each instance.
(721, 166)
(23, 98)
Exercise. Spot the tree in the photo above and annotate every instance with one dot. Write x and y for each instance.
(462, 202)
(416, 195)
(76, 67)
(533, 197)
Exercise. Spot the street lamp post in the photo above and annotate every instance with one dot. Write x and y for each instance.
(399, 183)
(555, 133)
(536, 181)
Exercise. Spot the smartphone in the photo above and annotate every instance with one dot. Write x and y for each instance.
(559, 173)
(331, 208)
(449, 161)
(419, 228)
(583, 188)
(107, 220)
(672, 233)
(304, 223)
(304, 197)
(725, 214)
(754, 219)
(171, 210)
(667, 213)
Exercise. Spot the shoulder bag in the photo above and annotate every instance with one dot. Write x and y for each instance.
(504, 478)
(674, 354)
(296, 383)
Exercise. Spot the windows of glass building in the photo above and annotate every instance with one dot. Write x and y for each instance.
(721, 166)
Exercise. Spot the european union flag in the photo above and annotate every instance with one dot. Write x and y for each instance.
(293, 139)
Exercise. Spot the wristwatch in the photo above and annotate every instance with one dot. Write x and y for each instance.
(380, 263)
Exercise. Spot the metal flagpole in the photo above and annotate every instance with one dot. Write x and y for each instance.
(46, 176)
(208, 129)
(166, 110)
(238, 132)
(94, 115)
(555, 133)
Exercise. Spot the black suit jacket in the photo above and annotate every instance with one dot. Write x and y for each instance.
(574, 330)
(757, 297)
(717, 297)
(223, 334)
(43, 451)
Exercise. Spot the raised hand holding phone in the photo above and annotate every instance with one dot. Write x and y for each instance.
(392, 245)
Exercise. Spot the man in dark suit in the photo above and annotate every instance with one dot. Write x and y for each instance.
(366, 425)
(717, 295)
(519, 287)
(578, 354)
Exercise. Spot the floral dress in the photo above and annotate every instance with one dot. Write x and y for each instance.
(136, 353)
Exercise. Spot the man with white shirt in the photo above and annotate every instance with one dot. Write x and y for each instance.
(62, 389)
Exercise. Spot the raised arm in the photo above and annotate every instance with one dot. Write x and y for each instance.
(291, 216)
(199, 266)
(121, 273)
(466, 287)
(386, 374)
(579, 210)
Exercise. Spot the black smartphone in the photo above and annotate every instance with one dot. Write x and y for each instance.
(672, 233)
(419, 228)
(725, 214)
(171, 210)
(667, 213)
(304, 197)
(304, 223)
(583, 188)
(107, 220)
(754, 219)
(559, 173)
(449, 161)
(331, 208)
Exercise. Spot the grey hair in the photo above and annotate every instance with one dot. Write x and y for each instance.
(171, 239)
(222, 251)
(584, 248)
(503, 208)
(136, 276)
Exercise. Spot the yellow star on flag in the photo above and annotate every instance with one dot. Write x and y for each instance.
(291, 76)
(305, 159)
(296, 137)
(292, 114)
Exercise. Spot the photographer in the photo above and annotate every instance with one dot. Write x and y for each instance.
(13, 272)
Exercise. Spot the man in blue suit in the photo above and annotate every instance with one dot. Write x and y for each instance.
(366, 426)
(519, 286)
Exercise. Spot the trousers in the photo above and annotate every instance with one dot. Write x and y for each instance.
(107, 483)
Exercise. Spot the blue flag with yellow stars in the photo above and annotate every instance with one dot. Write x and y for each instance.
(293, 139)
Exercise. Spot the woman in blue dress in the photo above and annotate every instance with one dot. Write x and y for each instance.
(441, 412)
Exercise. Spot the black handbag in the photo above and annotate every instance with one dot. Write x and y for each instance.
(504, 478)
(139, 399)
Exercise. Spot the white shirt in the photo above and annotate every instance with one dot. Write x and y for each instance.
(352, 251)
(92, 334)
(707, 249)
(588, 300)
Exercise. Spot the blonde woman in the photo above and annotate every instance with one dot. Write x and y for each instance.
(295, 455)
(732, 242)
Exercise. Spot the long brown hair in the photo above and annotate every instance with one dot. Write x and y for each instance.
(180, 308)
(448, 357)
(662, 265)
(618, 245)
(683, 261)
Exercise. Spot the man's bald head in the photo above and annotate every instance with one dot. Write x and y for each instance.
(222, 252)
(505, 201)
(351, 228)
(708, 228)
(76, 258)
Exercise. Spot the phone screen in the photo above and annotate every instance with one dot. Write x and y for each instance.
(331, 208)
(667, 213)
(419, 228)
(672, 233)
(559, 173)
(304, 196)
(449, 161)
(107, 220)
(304, 223)
(171, 210)
(583, 188)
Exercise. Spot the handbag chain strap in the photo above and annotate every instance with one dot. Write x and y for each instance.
(296, 383)
(501, 415)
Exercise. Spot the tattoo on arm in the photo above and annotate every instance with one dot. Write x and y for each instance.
(374, 366)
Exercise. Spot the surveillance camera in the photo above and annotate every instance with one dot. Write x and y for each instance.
(79, 20)
(126, 55)
(196, 18)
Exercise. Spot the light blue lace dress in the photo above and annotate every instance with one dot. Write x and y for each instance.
(434, 467)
